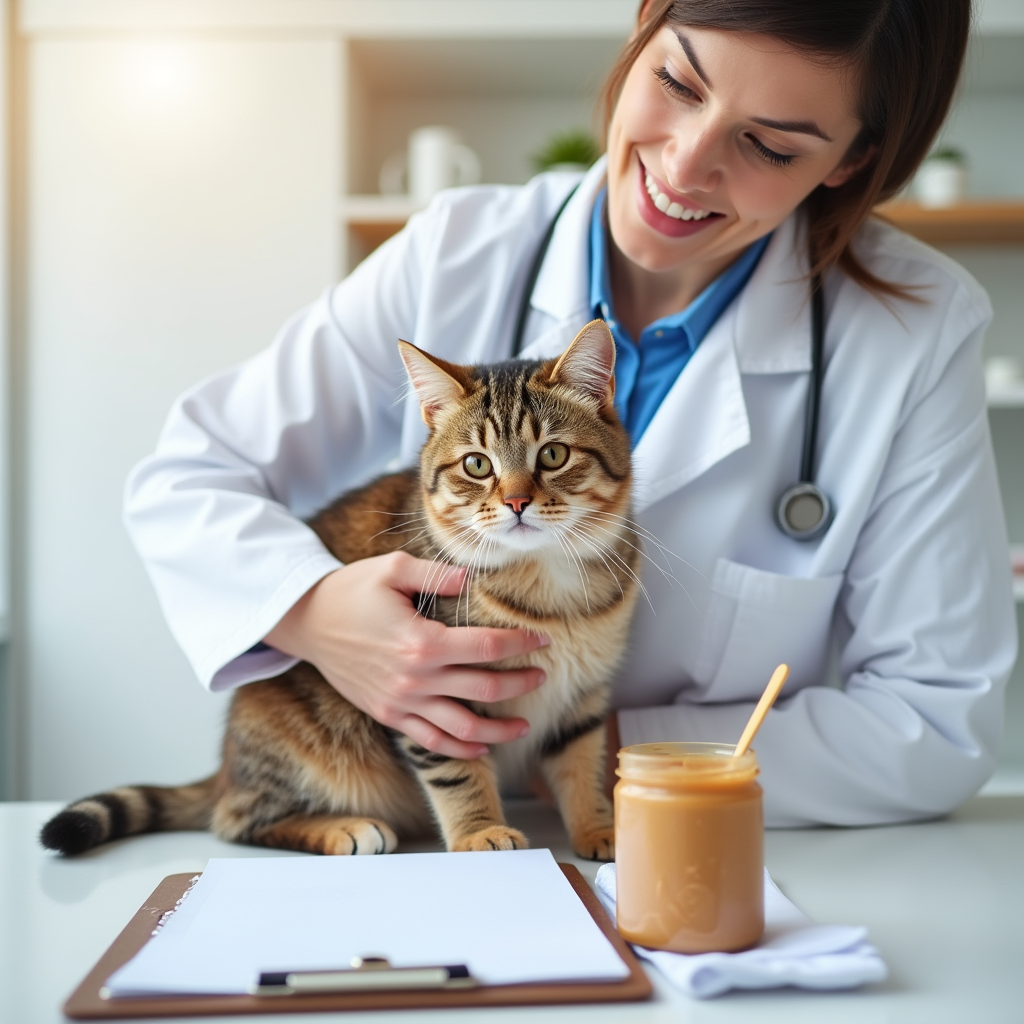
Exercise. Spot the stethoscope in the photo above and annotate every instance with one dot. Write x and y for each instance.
(804, 511)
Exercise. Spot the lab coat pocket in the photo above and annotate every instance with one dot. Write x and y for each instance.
(755, 621)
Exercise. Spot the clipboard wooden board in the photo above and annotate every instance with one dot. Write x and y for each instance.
(86, 1003)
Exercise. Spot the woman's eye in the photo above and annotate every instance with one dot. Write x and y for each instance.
(553, 456)
(673, 85)
(775, 159)
(477, 466)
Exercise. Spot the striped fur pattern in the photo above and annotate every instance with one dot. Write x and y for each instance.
(525, 479)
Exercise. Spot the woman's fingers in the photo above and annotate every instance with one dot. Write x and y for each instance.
(480, 645)
(409, 575)
(458, 722)
(426, 734)
(484, 686)
(408, 672)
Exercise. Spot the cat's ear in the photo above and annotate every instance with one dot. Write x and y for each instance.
(588, 364)
(436, 382)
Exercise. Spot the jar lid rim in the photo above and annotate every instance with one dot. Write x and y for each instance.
(700, 757)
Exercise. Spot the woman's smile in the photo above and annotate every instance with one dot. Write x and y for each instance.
(669, 212)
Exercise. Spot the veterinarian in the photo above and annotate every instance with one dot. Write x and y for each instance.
(747, 144)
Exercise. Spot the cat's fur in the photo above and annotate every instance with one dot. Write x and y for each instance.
(304, 769)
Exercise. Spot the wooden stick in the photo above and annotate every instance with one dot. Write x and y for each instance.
(771, 691)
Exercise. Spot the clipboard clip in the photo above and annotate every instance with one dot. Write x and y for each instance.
(366, 974)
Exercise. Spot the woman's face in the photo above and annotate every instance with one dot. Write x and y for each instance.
(717, 137)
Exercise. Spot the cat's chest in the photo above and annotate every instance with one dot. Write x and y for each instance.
(579, 664)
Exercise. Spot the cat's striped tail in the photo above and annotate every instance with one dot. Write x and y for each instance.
(129, 811)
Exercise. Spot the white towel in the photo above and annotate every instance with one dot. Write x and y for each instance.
(792, 951)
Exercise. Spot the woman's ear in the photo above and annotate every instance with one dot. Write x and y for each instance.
(848, 168)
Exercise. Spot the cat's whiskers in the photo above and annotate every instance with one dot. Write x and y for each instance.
(623, 537)
(672, 580)
(467, 582)
(596, 546)
(447, 556)
(633, 526)
(413, 517)
(577, 561)
(609, 569)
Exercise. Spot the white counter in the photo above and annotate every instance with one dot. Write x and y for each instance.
(944, 902)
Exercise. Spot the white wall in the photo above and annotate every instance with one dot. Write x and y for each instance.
(181, 200)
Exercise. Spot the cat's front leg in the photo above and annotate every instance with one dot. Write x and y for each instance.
(573, 764)
(464, 798)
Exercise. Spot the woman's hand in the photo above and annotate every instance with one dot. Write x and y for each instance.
(359, 627)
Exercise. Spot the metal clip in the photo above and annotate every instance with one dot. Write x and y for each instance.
(366, 974)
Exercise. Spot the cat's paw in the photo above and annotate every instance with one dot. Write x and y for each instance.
(595, 843)
(359, 836)
(494, 837)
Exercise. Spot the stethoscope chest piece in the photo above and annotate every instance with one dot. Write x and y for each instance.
(804, 512)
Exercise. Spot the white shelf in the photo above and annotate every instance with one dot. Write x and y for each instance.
(371, 209)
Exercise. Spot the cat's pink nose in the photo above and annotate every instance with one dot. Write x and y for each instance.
(517, 502)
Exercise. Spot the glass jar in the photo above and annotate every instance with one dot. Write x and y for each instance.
(689, 847)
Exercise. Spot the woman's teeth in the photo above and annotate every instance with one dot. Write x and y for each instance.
(674, 210)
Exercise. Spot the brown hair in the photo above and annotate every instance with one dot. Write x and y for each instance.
(908, 53)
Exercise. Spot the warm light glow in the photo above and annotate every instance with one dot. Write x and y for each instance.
(163, 72)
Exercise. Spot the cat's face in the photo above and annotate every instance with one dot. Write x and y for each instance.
(523, 456)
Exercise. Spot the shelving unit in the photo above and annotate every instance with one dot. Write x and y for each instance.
(994, 222)
(505, 95)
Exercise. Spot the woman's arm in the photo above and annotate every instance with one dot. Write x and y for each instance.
(216, 514)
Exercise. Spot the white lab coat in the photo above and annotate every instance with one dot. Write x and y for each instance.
(898, 624)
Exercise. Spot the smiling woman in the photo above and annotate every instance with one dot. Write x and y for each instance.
(844, 98)
(747, 143)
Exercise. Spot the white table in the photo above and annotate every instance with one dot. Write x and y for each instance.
(944, 901)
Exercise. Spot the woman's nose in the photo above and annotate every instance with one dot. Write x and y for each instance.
(693, 160)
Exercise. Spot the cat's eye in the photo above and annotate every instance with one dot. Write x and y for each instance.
(477, 466)
(553, 456)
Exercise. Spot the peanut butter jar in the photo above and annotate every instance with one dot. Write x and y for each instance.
(689, 847)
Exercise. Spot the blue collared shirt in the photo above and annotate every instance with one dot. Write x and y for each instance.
(646, 370)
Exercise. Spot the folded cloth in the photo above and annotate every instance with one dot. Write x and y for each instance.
(793, 951)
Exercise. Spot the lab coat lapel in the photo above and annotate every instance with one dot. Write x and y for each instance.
(561, 295)
(703, 418)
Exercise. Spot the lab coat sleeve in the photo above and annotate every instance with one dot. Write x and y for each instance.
(216, 512)
(925, 628)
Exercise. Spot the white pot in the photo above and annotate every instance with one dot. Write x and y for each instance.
(941, 183)
(436, 158)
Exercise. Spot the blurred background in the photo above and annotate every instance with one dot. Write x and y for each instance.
(182, 175)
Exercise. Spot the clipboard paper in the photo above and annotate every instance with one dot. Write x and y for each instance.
(86, 1003)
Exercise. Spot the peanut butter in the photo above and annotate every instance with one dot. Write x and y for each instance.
(689, 847)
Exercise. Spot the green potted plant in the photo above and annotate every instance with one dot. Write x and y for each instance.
(573, 150)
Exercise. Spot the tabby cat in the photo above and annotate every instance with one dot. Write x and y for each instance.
(525, 479)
